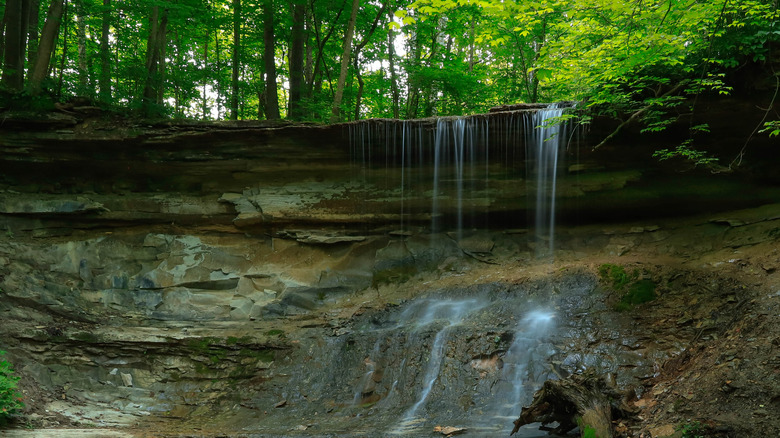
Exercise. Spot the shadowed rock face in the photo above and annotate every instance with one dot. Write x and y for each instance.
(359, 177)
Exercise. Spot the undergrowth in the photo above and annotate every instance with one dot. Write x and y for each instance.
(691, 430)
(10, 399)
(632, 289)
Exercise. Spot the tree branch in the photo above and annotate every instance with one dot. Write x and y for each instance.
(637, 115)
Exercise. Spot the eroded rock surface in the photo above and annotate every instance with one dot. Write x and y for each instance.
(240, 280)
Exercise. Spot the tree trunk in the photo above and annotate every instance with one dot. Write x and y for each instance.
(471, 45)
(151, 61)
(537, 53)
(586, 399)
(308, 68)
(358, 47)
(319, 62)
(154, 52)
(271, 92)
(15, 42)
(81, 32)
(236, 66)
(33, 23)
(46, 46)
(413, 89)
(105, 64)
(64, 51)
(218, 77)
(393, 77)
(359, 94)
(295, 111)
(2, 37)
(162, 68)
(336, 110)
(204, 105)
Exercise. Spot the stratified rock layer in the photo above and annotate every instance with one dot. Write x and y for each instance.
(247, 272)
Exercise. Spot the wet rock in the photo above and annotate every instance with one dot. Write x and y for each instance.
(665, 431)
(315, 237)
(50, 206)
(476, 244)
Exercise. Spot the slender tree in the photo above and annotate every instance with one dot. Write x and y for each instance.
(33, 25)
(295, 112)
(46, 47)
(15, 42)
(356, 58)
(81, 32)
(336, 110)
(236, 59)
(319, 63)
(64, 52)
(154, 52)
(393, 76)
(2, 39)
(271, 92)
(105, 53)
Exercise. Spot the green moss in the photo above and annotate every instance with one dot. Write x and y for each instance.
(691, 430)
(633, 291)
(639, 292)
(274, 332)
(200, 345)
(616, 276)
(217, 356)
(86, 337)
(11, 401)
(263, 355)
(202, 368)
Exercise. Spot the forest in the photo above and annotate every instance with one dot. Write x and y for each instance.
(342, 60)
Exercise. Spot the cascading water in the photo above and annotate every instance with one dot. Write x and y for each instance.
(521, 374)
(455, 170)
(448, 314)
(546, 135)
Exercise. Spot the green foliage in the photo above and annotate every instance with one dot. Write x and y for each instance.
(639, 292)
(633, 291)
(616, 276)
(451, 56)
(589, 432)
(11, 401)
(686, 152)
(693, 429)
(771, 128)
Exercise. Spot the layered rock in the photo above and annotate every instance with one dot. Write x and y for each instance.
(154, 269)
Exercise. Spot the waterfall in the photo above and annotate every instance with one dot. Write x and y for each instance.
(444, 313)
(546, 135)
(520, 375)
(457, 170)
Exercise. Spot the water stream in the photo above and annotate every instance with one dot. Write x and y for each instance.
(546, 136)
(454, 168)
(413, 365)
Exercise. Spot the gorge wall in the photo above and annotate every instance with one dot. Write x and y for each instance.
(187, 272)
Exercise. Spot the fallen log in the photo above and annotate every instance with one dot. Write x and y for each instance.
(584, 400)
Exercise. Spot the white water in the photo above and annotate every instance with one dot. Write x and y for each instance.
(450, 314)
(528, 348)
(458, 164)
(546, 137)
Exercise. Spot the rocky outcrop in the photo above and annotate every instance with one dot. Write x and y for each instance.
(147, 271)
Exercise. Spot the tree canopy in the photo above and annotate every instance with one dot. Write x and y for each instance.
(324, 60)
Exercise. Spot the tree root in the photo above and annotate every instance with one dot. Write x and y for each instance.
(584, 400)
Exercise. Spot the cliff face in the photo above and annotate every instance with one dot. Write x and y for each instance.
(152, 269)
